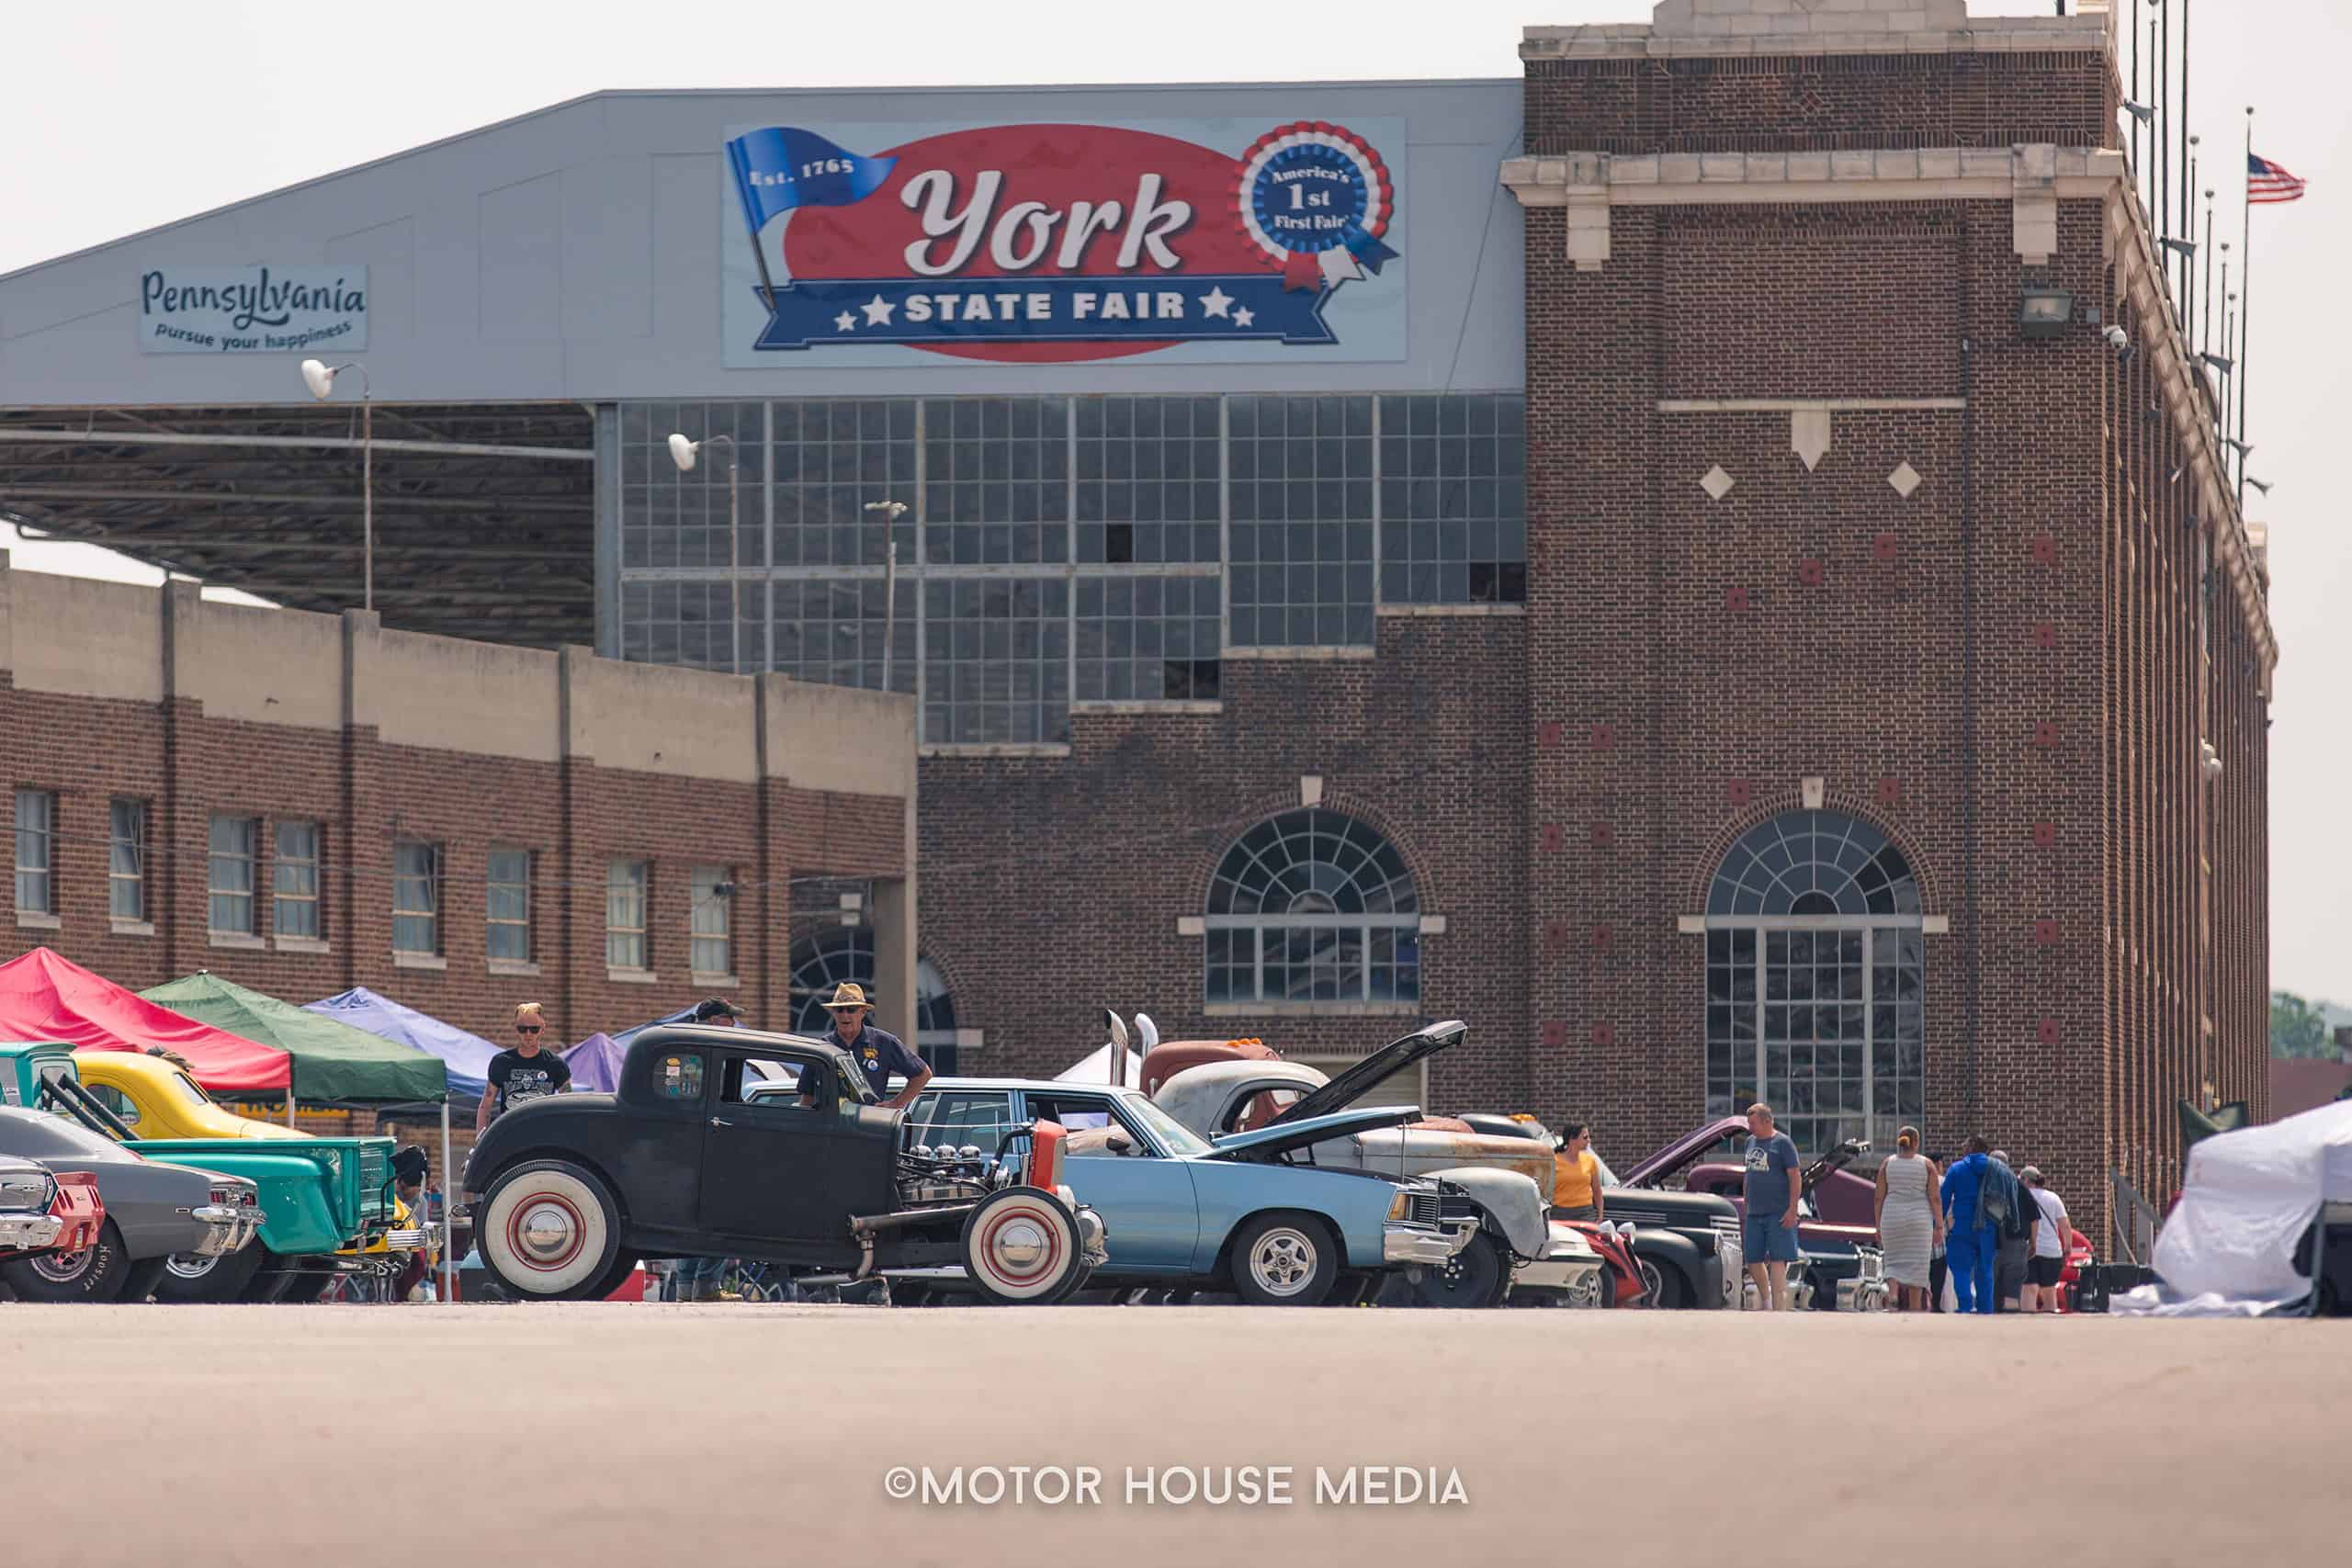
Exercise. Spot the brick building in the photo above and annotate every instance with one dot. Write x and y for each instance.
(1657, 557)
(307, 803)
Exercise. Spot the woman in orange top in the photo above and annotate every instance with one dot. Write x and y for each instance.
(1575, 1176)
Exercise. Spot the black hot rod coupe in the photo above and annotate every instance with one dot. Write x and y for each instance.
(681, 1161)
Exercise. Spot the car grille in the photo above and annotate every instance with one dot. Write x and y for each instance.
(375, 1171)
(1727, 1227)
(1422, 1208)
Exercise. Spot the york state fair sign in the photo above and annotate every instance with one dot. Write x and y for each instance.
(1058, 243)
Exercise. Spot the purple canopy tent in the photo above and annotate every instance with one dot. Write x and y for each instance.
(596, 1061)
(466, 1056)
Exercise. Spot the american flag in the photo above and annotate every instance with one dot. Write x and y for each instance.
(2266, 181)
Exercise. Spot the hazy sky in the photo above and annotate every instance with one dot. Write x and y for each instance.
(167, 110)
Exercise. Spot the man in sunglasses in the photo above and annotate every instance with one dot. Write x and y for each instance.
(528, 1072)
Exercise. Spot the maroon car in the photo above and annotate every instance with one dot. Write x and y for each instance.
(1836, 1210)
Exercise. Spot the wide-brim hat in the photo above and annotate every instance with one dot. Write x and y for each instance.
(847, 995)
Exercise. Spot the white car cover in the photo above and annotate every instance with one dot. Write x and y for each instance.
(2228, 1249)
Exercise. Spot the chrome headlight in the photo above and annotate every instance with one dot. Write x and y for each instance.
(27, 1190)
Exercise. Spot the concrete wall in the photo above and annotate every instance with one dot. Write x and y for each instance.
(574, 254)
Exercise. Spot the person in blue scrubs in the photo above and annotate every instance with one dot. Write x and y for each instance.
(1971, 1239)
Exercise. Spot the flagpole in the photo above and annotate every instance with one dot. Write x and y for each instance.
(2205, 289)
(2245, 292)
(2137, 173)
(2188, 191)
(2162, 137)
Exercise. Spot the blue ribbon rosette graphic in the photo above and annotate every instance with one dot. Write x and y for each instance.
(1318, 198)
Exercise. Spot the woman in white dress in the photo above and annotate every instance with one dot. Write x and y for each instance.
(1910, 1221)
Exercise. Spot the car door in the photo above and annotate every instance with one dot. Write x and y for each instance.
(767, 1163)
(1145, 1200)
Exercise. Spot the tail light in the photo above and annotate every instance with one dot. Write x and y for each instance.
(226, 1197)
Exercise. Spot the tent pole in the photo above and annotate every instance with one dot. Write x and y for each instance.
(448, 1258)
(289, 1105)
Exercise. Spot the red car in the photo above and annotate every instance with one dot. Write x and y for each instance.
(66, 1224)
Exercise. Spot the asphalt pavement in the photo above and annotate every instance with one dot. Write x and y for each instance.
(607, 1436)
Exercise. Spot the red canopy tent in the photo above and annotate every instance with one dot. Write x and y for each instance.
(44, 997)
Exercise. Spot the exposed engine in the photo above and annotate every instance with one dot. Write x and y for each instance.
(946, 1174)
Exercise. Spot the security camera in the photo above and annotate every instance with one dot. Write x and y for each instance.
(2118, 340)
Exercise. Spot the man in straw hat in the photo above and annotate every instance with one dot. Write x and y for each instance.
(877, 1053)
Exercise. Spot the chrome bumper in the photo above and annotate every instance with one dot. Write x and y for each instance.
(406, 1240)
(226, 1229)
(1093, 1240)
(1404, 1243)
(28, 1229)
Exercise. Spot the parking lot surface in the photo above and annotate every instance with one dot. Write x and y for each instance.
(663, 1435)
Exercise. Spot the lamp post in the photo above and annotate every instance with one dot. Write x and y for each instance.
(891, 512)
(319, 375)
(683, 452)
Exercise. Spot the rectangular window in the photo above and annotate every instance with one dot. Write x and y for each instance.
(36, 853)
(998, 659)
(294, 881)
(713, 947)
(1149, 479)
(624, 885)
(1302, 506)
(127, 860)
(1453, 500)
(508, 928)
(996, 482)
(229, 878)
(416, 896)
(1145, 640)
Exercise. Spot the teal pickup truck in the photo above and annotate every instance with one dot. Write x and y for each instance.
(329, 1202)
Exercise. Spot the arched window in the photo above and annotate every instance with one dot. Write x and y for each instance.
(846, 952)
(1813, 968)
(1311, 906)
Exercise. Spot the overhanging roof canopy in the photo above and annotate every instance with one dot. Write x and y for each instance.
(480, 538)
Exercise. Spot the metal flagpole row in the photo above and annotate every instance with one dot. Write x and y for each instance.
(2245, 292)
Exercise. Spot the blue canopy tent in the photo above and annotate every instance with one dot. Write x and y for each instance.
(466, 1056)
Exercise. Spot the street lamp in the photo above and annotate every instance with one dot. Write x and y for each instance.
(891, 512)
(319, 376)
(683, 452)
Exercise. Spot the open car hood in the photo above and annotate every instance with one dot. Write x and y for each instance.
(1372, 1071)
(1290, 1133)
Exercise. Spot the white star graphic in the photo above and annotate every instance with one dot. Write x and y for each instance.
(877, 311)
(1215, 302)
(1243, 316)
(844, 322)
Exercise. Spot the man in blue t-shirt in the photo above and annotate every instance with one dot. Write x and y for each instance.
(877, 1053)
(1769, 1235)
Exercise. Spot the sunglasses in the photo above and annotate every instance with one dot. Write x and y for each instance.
(528, 1028)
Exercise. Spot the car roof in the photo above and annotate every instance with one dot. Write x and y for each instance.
(1057, 1086)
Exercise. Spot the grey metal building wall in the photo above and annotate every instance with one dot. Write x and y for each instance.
(575, 254)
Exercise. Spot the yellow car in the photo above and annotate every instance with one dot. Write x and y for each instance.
(157, 1099)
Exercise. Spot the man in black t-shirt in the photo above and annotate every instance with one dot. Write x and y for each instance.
(526, 1073)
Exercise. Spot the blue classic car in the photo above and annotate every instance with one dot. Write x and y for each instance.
(1247, 1213)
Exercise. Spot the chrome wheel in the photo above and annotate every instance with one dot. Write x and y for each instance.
(1021, 1245)
(65, 1268)
(1283, 1262)
(188, 1266)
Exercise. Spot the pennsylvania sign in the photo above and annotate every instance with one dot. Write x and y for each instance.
(253, 309)
(1196, 240)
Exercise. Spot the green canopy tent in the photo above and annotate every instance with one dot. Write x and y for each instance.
(333, 1063)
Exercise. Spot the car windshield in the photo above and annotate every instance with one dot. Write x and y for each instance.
(1173, 1135)
(188, 1090)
